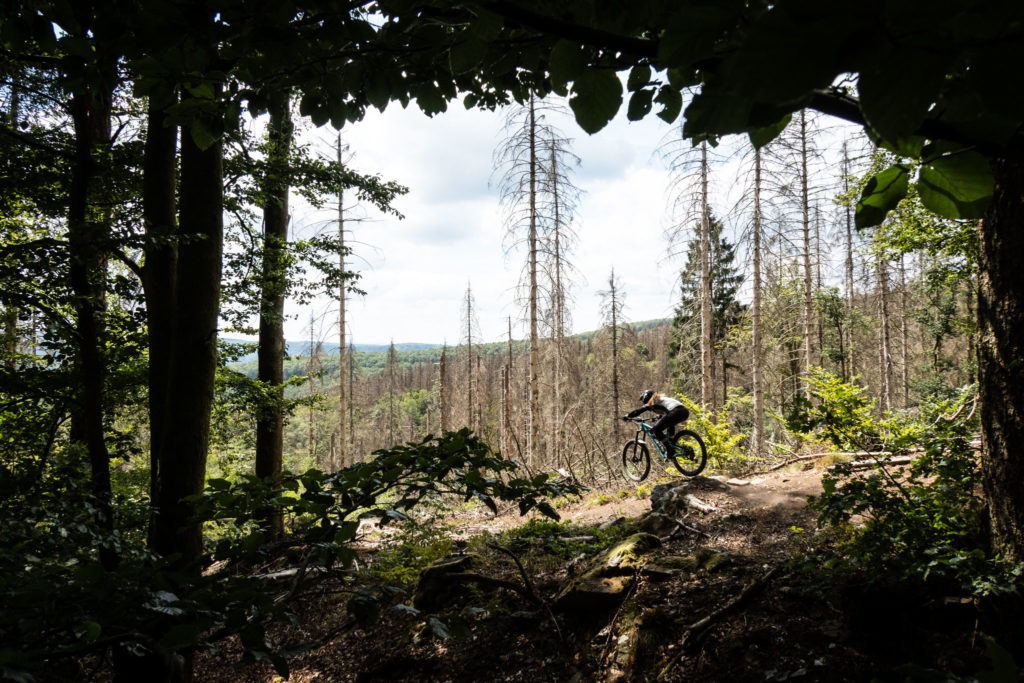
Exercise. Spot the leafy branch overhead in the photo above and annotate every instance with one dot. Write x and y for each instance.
(745, 67)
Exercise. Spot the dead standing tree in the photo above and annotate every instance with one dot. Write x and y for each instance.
(532, 193)
(690, 168)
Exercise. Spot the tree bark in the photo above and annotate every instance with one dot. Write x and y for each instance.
(616, 411)
(534, 443)
(885, 335)
(1000, 354)
(805, 205)
(159, 209)
(706, 386)
(849, 261)
(273, 285)
(469, 357)
(193, 362)
(757, 438)
(342, 459)
(87, 232)
(443, 390)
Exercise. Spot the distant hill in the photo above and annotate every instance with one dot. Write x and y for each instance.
(370, 357)
(301, 348)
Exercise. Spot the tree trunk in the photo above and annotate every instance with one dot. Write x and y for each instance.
(849, 260)
(757, 438)
(885, 335)
(342, 452)
(510, 434)
(159, 209)
(706, 387)
(532, 448)
(805, 206)
(273, 285)
(87, 231)
(904, 342)
(193, 355)
(10, 313)
(1000, 350)
(444, 398)
(558, 308)
(616, 411)
(469, 358)
(390, 365)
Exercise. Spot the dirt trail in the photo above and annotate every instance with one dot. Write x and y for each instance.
(781, 494)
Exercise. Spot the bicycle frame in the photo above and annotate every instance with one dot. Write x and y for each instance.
(642, 430)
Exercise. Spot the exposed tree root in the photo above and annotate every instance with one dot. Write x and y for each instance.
(692, 635)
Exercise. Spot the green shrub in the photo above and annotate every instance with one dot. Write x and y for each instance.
(923, 522)
(725, 448)
(838, 411)
(549, 538)
(408, 552)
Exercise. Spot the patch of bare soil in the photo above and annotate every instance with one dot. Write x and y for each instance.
(756, 616)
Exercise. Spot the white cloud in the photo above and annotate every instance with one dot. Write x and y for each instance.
(417, 269)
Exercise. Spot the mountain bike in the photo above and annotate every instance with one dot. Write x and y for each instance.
(685, 449)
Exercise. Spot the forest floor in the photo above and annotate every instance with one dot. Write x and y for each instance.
(770, 619)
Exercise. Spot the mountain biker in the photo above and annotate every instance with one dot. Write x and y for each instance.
(672, 412)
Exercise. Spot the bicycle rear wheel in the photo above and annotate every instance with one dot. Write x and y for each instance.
(636, 461)
(689, 453)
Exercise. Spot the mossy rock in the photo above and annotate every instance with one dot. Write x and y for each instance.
(657, 524)
(627, 555)
(705, 559)
(671, 565)
(613, 574)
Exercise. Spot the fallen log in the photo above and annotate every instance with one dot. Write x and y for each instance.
(867, 465)
(699, 505)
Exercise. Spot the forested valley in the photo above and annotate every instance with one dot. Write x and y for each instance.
(185, 497)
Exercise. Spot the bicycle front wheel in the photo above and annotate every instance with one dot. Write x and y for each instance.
(636, 461)
(689, 453)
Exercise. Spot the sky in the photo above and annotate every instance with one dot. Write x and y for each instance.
(415, 271)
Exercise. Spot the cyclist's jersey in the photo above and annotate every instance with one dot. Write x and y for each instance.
(666, 403)
(660, 404)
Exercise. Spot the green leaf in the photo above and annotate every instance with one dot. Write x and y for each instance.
(596, 98)
(377, 90)
(89, 631)
(691, 33)
(784, 55)
(672, 103)
(545, 509)
(881, 194)
(957, 185)
(568, 63)
(897, 90)
(716, 113)
(438, 628)
(201, 135)
(465, 56)
(759, 137)
(407, 610)
(639, 104)
(639, 76)
(200, 91)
